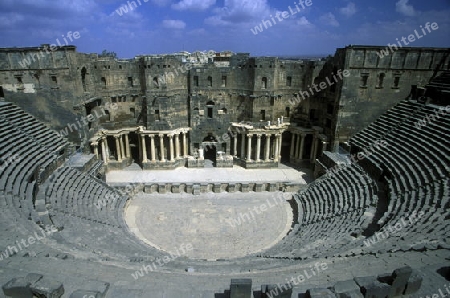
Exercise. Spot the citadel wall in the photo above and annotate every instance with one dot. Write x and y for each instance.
(206, 92)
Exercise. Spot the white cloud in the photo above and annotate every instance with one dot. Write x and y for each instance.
(193, 4)
(10, 20)
(174, 24)
(240, 12)
(349, 10)
(402, 7)
(329, 19)
(304, 22)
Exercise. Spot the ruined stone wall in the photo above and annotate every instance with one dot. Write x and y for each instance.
(377, 84)
(167, 92)
(42, 82)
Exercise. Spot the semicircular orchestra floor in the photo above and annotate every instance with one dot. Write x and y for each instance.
(215, 225)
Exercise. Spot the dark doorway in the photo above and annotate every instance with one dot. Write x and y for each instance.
(210, 106)
(134, 147)
(210, 150)
(285, 147)
(308, 144)
(1, 92)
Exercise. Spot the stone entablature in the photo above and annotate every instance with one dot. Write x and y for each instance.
(269, 139)
(157, 149)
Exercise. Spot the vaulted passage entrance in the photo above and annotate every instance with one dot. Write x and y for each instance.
(209, 144)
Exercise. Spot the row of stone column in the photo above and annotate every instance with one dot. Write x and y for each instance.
(177, 143)
(272, 145)
(298, 146)
(122, 144)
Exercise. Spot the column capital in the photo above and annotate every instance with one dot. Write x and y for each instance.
(170, 136)
(161, 135)
(258, 135)
(152, 136)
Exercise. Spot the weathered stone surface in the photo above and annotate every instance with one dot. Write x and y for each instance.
(279, 291)
(18, 288)
(347, 289)
(372, 288)
(48, 288)
(414, 283)
(400, 278)
(241, 288)
(320, 293)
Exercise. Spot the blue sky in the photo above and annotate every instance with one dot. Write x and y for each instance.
(167, 26)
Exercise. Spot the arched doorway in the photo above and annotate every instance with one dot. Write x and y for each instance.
(209, 145)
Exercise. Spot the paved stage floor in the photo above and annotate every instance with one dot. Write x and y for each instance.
(217, 225)
(134, 174)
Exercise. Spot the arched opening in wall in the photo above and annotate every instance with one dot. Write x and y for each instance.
(83, 78)
(264, 83)
(209, 145)
(313, 116)
(2, 94)
(263, 115)
(111, 141)
(108, 115)
(196, 112)
(308, 144)
(133, 112)
(103, 79)
(381, 80)
(285, 147)
(288, 112)
(156, 82)
(210, 109)
(209, 81)
(133, 138)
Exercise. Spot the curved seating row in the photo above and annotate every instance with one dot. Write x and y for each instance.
(332, 212)
(416, 168)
